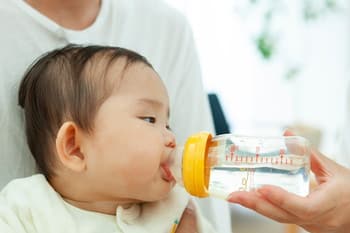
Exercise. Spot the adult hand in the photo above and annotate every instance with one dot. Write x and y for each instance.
(188, 222)
(325, 210)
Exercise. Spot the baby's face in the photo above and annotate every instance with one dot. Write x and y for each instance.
(129, 147)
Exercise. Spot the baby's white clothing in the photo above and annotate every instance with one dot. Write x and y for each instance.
(31, 205)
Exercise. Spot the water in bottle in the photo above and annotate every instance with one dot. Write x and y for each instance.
(220, 165)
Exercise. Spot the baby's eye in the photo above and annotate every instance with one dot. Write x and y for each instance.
(168, 127)
(149, 119)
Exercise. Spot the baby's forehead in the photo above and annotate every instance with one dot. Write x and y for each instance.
(102, 65)
(105, 72)
(117, 68)
(122, 75)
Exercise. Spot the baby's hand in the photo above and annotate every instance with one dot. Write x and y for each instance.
(188, 222)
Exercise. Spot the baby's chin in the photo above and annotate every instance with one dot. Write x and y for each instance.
(162, 194)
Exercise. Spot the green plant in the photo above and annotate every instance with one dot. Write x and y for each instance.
(266, 42)
(267, 38)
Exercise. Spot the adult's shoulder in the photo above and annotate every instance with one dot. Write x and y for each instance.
(7, 5)
(11, 8)
(14, 17)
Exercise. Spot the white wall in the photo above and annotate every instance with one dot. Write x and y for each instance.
(256, 96)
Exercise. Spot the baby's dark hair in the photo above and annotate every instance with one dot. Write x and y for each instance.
(67, 84)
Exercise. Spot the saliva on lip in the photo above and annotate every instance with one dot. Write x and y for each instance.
(217, 166)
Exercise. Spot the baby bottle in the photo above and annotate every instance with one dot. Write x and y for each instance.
(217, 166)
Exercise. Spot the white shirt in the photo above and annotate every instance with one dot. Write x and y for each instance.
(150, 27)
(31, 205)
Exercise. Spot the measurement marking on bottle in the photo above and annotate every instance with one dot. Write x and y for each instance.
(236, 156)
(248, 181)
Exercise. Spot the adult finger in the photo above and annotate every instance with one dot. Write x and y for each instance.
(254, 201)
(188, 222)
(305, 208)
(288, 132)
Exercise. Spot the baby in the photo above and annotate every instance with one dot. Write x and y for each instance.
(97, 125)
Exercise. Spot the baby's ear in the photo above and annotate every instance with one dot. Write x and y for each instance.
(68, 147)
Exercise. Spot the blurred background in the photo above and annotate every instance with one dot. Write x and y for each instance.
(275, 64)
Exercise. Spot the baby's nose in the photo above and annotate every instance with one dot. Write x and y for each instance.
(170, 140)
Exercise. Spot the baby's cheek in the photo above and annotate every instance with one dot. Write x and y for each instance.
(145, 169)
(141, 169)
(148, 158)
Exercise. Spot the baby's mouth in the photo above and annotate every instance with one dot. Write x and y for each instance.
(166, 173)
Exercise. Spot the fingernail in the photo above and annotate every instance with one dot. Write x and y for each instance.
(190, 206)
(229, 197)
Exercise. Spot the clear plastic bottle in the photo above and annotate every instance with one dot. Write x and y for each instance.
(217, 166)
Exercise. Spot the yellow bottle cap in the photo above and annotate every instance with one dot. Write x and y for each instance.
(195, 173)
